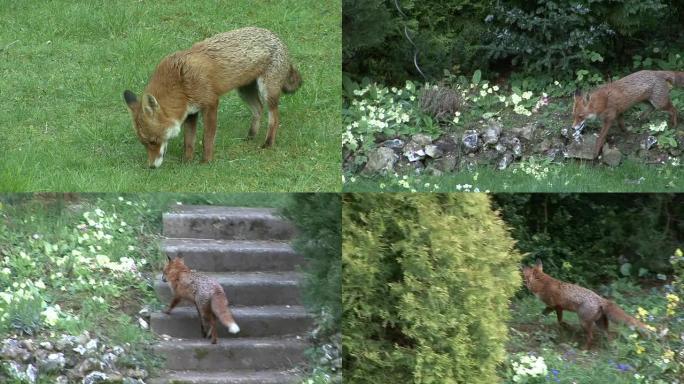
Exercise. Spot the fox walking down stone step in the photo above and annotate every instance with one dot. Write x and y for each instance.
(247, 251)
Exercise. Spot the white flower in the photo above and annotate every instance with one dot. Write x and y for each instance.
(102, 259)
(39, 284)
(527, 95)
(496, 88)
(51, 314)
(515, 98)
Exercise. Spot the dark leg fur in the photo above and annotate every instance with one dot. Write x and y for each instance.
(173, 303)
(189, 136)
(250, 94)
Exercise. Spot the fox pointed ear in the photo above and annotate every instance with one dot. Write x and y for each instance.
(578, 94)
(150, 104)
(130, 98)
(538, 264)
(168, 257)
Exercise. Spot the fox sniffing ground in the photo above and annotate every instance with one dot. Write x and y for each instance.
(190, 82)
(591, 308)
(206, 293)
(610, 101)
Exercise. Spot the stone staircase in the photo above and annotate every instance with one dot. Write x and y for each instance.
(246, 250)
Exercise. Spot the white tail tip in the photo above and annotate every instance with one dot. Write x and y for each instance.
(233, 328)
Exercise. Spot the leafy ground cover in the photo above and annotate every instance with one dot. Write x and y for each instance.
(542, 352)
(510, 136)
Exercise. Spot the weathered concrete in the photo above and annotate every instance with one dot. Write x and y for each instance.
(183, 322)
(233, 256)
(228, 223)
(234, 377)
(249, 288)
(232, 354)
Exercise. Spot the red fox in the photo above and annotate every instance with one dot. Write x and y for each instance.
(610, 101)
(589, 306)
(185, 83)
(203, 291)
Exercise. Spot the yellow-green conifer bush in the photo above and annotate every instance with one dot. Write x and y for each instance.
(427, 280)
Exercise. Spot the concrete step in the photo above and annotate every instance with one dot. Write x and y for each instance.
(233, 255)
(184, 322)
(232, 354)
(227, 223)
(248, 288)
(234, 377)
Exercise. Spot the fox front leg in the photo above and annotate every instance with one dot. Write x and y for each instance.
(172, 304)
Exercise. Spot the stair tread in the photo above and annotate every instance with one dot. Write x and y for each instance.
(180, 343)
(266, 310)
(193, 243)
(238, 376)
(249, 278)
(220, 210)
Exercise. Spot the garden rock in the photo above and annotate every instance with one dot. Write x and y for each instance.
(505, 161)
(648, 142)
(447, 143)
(137, 373)
(62, 380)
(491, 134)
(381, 160)
(393, 143)
(46, 345)
(31, 373)
(583, 149)
(421, 139)
(471, 141)
(414, 151)
(12, 350)
(446, 163)
(53, 362)
(88, 365)
(526, 132)
(611, 156)
(95, 377)
(433, 151)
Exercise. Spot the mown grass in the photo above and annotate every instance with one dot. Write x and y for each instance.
(612, 359)
(575, 176)
(64, 66)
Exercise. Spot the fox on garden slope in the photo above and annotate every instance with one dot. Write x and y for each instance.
(203, 291)
(589, 306)
(610, 101)
(185, 83)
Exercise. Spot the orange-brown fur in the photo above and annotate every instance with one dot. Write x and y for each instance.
(204, 292)
(186, 83)
(610, 101)
(590, 307)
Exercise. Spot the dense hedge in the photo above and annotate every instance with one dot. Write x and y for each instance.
(587, 238)
(426, 284)
(318, 219)
(532, 37)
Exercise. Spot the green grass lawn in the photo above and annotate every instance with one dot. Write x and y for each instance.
(576, 176)
(65, 64)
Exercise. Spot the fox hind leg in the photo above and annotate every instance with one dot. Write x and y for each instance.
(201, 320)
(269, 88)
(250, 94)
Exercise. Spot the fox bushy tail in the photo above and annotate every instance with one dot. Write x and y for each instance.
(616, 314)
(293, 81)
(219, 305)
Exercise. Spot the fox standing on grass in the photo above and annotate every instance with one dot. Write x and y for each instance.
(203, 291)
(186, 83)
(590, 307)
(610, 101)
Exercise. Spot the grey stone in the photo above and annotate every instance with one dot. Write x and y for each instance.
(413, 151)
(393, 143)
(447, 143)
(137, 373)
(84, 367)
(380, 160)
(433, 151)
(505, 161)
(471, 141)
(446, 163)
(62, 380)
(53, 362)
(526, 132)
(95, 377)
(31, 373)
(46, 345)
(421, 139)
(583, 149)
(491, 133)
(12, 350)
(648, 142)
(611, 156)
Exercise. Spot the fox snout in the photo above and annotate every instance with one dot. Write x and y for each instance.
(155, 155)
(578, 126)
